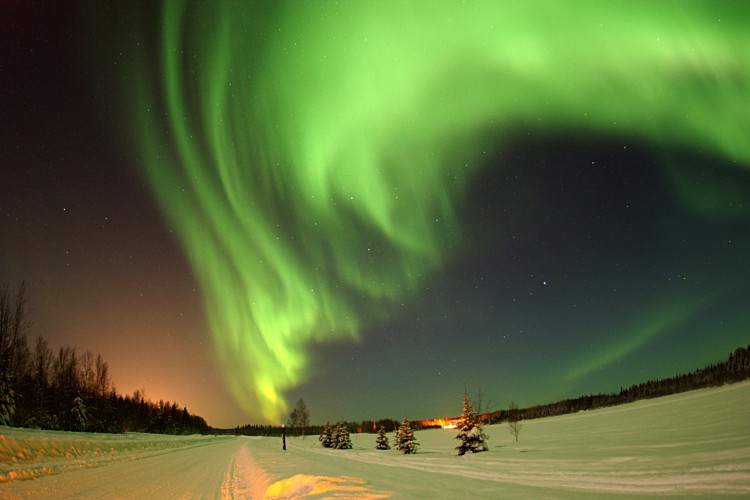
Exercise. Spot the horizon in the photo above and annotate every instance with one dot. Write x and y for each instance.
(444, 420)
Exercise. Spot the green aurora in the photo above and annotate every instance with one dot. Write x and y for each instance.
(311, 154)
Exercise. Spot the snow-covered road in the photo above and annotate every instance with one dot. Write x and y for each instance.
(143, 466)
(691, 443)
(196, 471)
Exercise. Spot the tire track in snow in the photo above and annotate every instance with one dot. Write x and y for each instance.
(244, 478)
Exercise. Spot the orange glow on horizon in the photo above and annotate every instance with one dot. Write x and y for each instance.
(445, 423)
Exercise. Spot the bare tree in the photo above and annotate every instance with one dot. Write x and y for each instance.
(86, 373)
(299, 419)
(101, 376)
(65, 381)
(482, 405)
(13, 326)
(41, 363)
(14, 351)
(514, 424)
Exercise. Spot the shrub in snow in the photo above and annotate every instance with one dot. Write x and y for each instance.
(405, 441)
(381, 442)
(470, 431)
(341, 440)
(326, 438)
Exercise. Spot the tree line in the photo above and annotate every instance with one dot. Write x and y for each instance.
(365, 426)
(736, 368)
(71, 390)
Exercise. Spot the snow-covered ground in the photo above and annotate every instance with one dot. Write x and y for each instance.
(691, 443)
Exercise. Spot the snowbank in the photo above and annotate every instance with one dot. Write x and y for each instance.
(30, 453)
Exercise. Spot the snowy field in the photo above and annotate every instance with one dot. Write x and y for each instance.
(696, 443)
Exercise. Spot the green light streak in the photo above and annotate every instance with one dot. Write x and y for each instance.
(310, 156)
(656, 323)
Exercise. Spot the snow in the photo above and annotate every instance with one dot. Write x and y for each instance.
(29, 453)
(692, 443)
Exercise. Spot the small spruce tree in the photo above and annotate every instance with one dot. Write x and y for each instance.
(341, 439)
(405, 441)
(326, 438)
(79, 413)
(381, 442)
(470, 431)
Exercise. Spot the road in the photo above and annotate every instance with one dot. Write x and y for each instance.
(226, 468)
(223, 469)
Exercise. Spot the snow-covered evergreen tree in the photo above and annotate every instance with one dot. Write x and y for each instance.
(470, 431)
(326, 438)
(405, 441)
(381, 442)
(341, 439)
(79, 413)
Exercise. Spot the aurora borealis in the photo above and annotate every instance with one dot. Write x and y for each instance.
(382, 201)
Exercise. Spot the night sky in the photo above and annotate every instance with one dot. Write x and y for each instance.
(373, 205)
